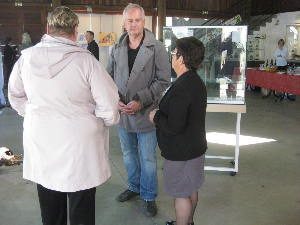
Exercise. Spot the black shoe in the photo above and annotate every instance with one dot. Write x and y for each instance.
(172, 222)
(126, 195)
(291, 97)
(149, 208)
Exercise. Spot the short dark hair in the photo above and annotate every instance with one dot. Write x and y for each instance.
(192, 50)
(90, 32)
(281, 41)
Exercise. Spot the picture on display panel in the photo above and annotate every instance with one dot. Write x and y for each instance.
(107, 39)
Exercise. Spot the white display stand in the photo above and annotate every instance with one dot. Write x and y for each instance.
(238, 109)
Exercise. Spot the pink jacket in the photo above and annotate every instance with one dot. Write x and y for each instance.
(68, 101)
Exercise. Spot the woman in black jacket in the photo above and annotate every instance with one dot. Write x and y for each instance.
(180, 123)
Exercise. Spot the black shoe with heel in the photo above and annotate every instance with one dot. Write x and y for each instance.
(172, 222)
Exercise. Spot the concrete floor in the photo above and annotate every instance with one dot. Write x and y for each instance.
(264, 192)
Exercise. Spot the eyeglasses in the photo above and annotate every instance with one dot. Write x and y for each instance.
(174, 52)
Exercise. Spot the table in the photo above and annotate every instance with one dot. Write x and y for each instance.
(274, 81)
(226, 108)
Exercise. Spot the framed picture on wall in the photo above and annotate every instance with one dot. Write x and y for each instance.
(107, 39)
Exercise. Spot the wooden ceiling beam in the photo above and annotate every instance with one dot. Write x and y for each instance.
(151, 11)
(104, 9)
(25, 4)
(198, 14)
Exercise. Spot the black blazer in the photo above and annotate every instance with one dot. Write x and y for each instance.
(180, 120)
(94, 49)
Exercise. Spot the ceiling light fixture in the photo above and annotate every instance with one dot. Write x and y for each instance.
(18, 3)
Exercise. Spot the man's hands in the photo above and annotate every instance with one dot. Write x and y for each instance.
(152, 114)
(131, 108)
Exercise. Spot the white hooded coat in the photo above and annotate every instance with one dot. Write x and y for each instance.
(68, 101)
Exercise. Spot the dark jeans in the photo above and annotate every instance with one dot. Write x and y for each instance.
(54, 206)
(7, 68)
(139, 155)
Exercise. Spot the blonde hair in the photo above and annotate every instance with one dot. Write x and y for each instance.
(131, 6)
(62, 21)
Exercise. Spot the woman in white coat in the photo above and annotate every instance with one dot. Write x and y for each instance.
(68, 101)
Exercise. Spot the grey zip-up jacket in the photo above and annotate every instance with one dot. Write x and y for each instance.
(149, 78)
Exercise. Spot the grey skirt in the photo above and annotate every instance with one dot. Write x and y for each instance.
(182, 178)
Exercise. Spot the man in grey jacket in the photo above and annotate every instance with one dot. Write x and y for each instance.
(140, 67)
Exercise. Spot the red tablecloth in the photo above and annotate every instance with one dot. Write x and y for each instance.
(274, 81)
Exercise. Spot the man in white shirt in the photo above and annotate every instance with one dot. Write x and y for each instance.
(280, 55)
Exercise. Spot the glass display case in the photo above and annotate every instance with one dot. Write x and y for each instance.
(224, 65)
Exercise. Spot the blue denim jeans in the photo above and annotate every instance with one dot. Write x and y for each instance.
(139, 155)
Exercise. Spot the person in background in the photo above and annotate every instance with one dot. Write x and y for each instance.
(281, 54)
(180, 124)
(140, 67)
(8, 60)
(2, 97)
(92, 45)
(26, 41)
(68, 101)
